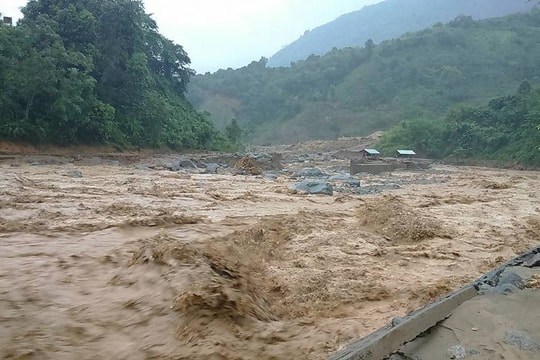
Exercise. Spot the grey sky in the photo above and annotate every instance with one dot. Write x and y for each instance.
(232, 33)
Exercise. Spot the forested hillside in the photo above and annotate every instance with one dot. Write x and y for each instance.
(504, 130)
(96, 71)
(388, 20)
(355, 91)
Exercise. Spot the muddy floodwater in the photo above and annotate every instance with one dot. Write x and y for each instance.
(106, 260)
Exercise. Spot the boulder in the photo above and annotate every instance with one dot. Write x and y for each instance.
(212, 168)
(314, 187)
(308, 172)
(269, 162)
(340, 177)
(186, 164)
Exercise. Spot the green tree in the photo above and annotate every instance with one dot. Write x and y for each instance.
(96, 71)
(421, 75)
(502, 130)
(369, 46)
(234, 132)
(50, 87)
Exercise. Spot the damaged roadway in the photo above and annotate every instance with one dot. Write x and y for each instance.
(494, 317)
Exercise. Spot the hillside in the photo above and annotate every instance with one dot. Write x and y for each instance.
(505, 130)
(96, 72)
(356, 91)
(387, 20)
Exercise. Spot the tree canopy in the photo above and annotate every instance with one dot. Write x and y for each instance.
(355, 91)
(503, 130)
(96, 71)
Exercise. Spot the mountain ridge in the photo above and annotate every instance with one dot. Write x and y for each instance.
(398, 17)
(355, 91)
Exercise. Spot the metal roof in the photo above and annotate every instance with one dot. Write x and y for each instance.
(372, 151)
(406, 152)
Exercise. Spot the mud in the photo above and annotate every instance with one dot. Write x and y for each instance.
(131, 263)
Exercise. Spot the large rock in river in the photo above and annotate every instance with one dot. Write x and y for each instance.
(308, 172)
(314, 187)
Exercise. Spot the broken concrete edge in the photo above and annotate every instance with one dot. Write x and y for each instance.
(386, 340)
(492, 277)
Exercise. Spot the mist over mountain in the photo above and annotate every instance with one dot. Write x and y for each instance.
(387, 20)
(355, 91)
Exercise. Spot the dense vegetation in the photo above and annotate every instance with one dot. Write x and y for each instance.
(96, 71)
(355, 91)
(388, 20)
(503, 130)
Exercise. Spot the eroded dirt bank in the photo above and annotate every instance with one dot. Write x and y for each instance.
(127, 262)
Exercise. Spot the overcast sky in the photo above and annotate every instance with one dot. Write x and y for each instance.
(232, 33)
